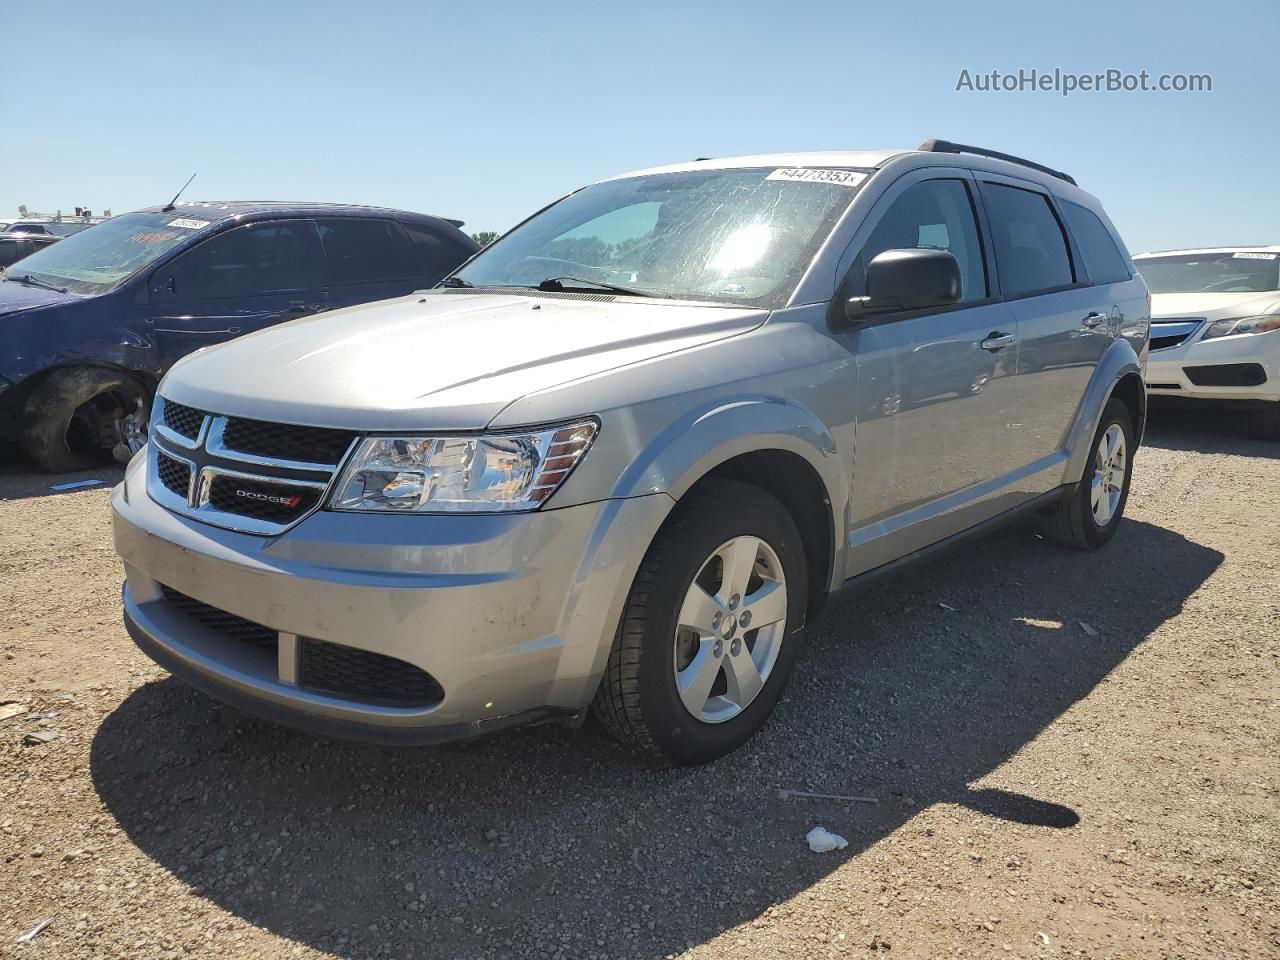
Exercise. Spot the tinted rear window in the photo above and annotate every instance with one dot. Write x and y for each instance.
(1102, 258)
(1031, 249)
(367, 251)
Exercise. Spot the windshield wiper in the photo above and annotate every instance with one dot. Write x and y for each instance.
(35, 282)
(455, 282)
(559, 284)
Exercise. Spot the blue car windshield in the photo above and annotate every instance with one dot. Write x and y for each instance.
(738, 235)
(103, 256)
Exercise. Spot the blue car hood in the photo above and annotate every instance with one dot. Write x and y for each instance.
(15, 296)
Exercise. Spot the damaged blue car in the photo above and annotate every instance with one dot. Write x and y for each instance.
(89, 325)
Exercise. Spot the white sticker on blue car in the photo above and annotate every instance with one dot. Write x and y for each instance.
(189, 223)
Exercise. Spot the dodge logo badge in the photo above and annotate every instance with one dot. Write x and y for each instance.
(268, 498)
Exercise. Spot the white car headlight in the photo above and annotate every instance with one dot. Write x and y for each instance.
(490, 473)
(1236, 325)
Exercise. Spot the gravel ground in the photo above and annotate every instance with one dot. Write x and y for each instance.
(1073, 755)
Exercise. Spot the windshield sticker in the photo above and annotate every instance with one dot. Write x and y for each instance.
(1255, 256)
(845, 178)
(155, 236)
(189, 223)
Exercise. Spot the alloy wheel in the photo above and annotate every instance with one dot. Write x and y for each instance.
(729, 629)
(1109, 469)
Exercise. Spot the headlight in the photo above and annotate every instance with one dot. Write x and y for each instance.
(1227, 328)
(493, 473)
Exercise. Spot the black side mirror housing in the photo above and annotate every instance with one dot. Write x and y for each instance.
(912, 279)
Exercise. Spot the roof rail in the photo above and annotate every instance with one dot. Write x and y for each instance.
(946, 146)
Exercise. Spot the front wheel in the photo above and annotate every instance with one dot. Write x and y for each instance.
(1089, 517)
(709, 633)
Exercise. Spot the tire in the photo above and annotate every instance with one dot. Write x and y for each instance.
(639, 702)
(1074, 522)
(67, 418)
(1264, 422)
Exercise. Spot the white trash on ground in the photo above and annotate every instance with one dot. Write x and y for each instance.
(823, 841)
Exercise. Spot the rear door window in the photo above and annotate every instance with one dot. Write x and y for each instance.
(253, 260)
(1030, 246)
(367, 251)
(1102, 258)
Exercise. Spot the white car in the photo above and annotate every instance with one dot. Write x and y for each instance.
(1215, 328)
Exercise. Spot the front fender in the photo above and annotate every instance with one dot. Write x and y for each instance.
(1119, 360)
(694, 444)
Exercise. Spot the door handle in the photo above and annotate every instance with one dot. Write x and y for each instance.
(1093, 318)
(997, 341)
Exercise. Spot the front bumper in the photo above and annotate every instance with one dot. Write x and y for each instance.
(511, 615)
(1180, 371)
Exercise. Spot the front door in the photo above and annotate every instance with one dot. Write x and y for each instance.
(933, 387)
(236, 282)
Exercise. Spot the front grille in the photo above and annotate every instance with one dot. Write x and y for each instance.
(1171, 332)
(249, 475)
(173, 474)
(364, 675)
(1227, 375)
(182, 419)
(283, 441)
(228, 624)
(278, 503)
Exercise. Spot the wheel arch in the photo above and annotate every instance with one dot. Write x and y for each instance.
(1119, 375)
(13, 401)
(772, 444)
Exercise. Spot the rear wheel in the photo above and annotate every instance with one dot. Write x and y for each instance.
(1264, 422)
(1089, 517)
(709, 633)
(76, 416)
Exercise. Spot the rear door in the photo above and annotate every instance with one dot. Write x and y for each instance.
(370, 259)
(1064, 323)
(236, 282)
(933, 387)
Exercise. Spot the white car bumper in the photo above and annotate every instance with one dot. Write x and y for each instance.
(1245, 367)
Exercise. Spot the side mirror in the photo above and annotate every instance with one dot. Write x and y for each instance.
(907, 280)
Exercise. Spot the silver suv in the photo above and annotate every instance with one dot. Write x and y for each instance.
(620, 458)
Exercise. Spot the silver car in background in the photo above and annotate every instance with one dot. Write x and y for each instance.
(623, 455)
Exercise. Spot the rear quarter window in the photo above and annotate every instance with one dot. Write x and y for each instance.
(1102, 257)
(438, 255)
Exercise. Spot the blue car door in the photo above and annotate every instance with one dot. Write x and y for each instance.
(236, 282)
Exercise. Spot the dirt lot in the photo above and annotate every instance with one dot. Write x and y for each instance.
(1074, 755)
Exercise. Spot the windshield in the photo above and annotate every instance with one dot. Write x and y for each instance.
(65, 228)
(1225, 272)
(100, 257)
(741, 236)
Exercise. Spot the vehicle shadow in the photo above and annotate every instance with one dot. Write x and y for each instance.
(1203, 428)
(557, 841)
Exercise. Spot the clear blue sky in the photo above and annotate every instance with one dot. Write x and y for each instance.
(487, 110)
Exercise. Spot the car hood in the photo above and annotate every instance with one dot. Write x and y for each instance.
(1214, 306)
(437, 360)
(15, 297)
